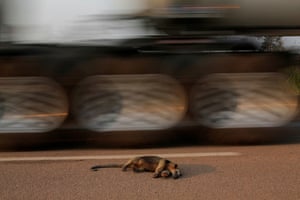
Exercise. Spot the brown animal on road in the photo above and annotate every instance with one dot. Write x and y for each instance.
(160, 166)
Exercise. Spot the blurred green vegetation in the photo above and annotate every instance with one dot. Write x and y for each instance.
(293, 74)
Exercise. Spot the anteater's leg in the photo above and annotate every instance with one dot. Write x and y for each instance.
(160, 167)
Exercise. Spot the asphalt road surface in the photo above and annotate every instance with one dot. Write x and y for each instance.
(209, 172)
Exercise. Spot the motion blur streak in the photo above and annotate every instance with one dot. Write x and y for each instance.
(45, 115)
(129, 102)
(243, 100)
(31, 104)
(214, 7)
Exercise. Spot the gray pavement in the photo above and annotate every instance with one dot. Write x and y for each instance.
(253, 172)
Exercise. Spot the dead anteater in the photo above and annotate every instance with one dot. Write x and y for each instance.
(160, 166)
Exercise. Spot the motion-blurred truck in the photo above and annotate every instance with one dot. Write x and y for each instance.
(155, 65)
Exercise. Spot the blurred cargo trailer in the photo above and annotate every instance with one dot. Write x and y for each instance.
(97, 66)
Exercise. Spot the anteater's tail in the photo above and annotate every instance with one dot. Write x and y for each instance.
(96, 167)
